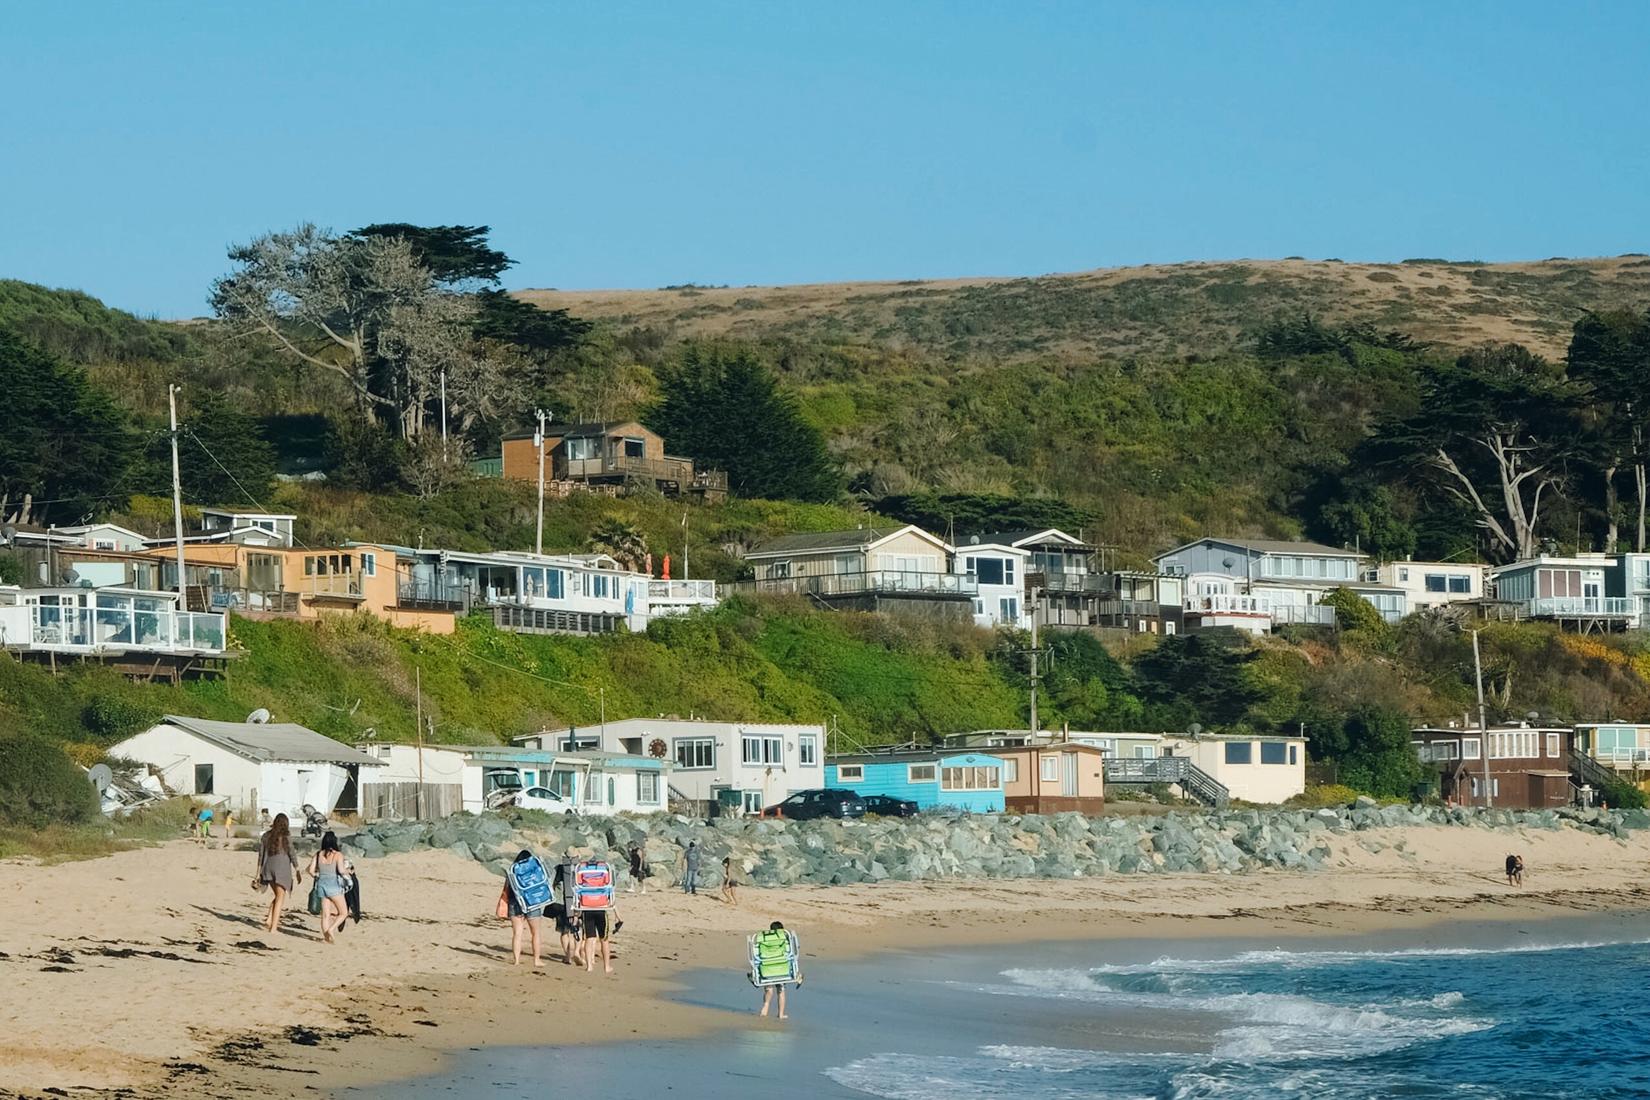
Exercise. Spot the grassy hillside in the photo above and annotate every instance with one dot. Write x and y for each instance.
(1159, 310)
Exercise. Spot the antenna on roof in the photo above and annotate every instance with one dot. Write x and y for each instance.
(258, 717)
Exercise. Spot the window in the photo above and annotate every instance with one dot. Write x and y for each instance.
(647, 788)
(751, 801)
(369, 564)
(1011, 770)
(1050, 769)
(1403, 576)
(561, 782)
(384, 752)
(203, 779)
(696, 752)
(1008, 610)
(989, 570)
(807, 750)
(1436, 582)
(1168, 626)
(762, 749)
(920, 773)
(779, 571)
(593, 789)
(1008, 570)
(1294, 755)
(1552, 745)
(1514, 745)
(1469, 748)
(850, 773)
(103, 544)
(633, 448)
(1460, 585)
(1240, 752)
(970, 779)
(1495, 787)
(1273, 752)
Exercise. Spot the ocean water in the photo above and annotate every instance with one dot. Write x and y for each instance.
(1556, 1009)
(1533, 1019)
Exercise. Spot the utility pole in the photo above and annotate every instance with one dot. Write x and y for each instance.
(538, 441)
(418, 730)
(1483, 722)
(1034, 726)
(177, 498)
(684, 545)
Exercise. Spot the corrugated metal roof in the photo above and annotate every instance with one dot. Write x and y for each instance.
(278, 741)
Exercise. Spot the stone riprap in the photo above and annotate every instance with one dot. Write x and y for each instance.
(936, 846)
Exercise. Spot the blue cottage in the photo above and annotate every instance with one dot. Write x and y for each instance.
(968, 781)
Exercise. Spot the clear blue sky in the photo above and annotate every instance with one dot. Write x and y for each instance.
(637, 145)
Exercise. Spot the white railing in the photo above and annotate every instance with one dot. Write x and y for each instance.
(682, 591)
(1563, 607)
(93, 630)
(1227, 603)
(1623, 758)
(1303, 614)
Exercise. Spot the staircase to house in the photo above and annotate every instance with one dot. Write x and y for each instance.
(1584, 770)
(1178, 770)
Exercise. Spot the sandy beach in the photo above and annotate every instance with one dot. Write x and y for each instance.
(149, 973)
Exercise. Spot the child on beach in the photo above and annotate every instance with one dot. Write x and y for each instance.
(228, 826)
(203, 820)
(729, 882)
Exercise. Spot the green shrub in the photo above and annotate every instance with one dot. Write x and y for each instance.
(115, 719)
(40, 785)
(1323, 796)
(1623, 796)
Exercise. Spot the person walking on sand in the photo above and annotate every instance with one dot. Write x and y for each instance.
(1515, 870)
(690, 880)
(599, 926)
(729, 882)
(775, 957)
(203, 821)
(639, 872)
(330, 884)
(228, 827)
(525, 895)
(277, 869)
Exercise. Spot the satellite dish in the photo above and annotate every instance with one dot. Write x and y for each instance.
(258, 717)
(70, 576)
(1194, 729)
(973, 540)
(1228, 562)
(8, 534)
(101, 777)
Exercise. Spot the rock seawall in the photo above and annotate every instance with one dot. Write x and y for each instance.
(938, 846)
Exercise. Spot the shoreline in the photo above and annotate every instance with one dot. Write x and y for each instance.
(200, 1011)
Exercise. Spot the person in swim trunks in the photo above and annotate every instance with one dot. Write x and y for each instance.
(596, 934)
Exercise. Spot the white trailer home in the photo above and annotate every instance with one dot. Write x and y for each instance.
(431, 781)
(276, 766)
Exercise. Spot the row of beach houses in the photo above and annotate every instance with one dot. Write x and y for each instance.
(710, 768)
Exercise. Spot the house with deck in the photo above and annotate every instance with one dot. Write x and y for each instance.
(971, 782)
(139, 632)
(608, 455)
(1572, 592)
(1068, 585)
(1521, 767)
(900, 570)
(1618, 751)
(537, 593)
(1628, 578)
(1256, 585)
(1265, 769)
(716, 767)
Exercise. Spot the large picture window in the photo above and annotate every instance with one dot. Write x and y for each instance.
(1240, 752)
(975, 778)
(1274, 752)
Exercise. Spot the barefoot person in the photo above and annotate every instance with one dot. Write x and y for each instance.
(328, 869)
(776, 963)
(1515, 870)
(730, 883)
(639, 870)
(526, 893)
(277, 869)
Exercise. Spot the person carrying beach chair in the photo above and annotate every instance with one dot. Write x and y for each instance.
(776, 963)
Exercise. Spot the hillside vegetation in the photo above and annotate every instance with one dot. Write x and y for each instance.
(1159, 310)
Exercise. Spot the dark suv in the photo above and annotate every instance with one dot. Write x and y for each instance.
(804, 805)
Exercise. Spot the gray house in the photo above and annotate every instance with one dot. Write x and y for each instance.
(1258, 584)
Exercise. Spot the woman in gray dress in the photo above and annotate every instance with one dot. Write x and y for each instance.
(277, 869)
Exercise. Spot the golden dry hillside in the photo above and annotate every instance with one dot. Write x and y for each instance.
(1172, 309)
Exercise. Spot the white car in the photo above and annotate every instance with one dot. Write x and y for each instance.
(543, 798)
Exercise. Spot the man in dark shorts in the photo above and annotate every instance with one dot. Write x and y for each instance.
(596, 934)
(1515, 870)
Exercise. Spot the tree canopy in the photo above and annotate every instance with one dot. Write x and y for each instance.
(725, 408)
(65, 447)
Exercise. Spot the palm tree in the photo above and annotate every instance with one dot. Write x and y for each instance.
(620, 541)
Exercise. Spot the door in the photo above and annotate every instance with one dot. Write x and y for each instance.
(1068, 775)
